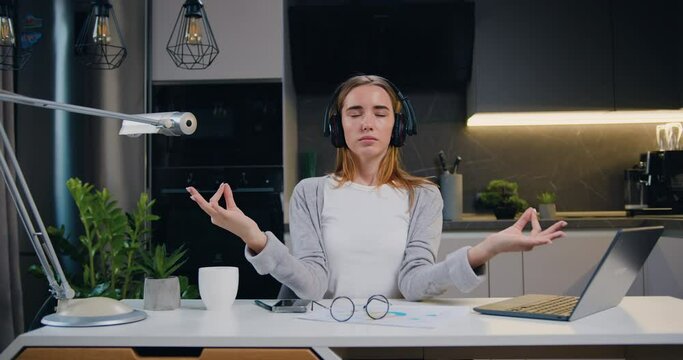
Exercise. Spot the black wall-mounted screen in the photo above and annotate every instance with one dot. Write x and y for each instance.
(416, 45)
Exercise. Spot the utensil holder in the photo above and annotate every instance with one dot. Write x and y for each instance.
(451, 192)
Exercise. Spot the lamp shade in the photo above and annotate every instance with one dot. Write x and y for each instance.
(13, 53)
(100, 44)
(192, 45)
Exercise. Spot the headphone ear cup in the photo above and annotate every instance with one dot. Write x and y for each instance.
(398, 134)
(336, 131)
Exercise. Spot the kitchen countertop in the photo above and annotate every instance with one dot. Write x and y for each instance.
(576, 220)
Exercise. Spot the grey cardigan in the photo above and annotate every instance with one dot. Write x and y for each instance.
(305, 270)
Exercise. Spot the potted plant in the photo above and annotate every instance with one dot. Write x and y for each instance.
(501, 197)
(546, 205)
(107, 256)
(162, 291)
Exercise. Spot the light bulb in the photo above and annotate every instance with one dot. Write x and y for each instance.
(193, 33)
(100, 33)
(6, 31)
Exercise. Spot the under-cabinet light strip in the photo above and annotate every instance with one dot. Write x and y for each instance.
(574, 117)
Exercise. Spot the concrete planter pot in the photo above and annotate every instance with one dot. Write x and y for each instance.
(548, 211)
(162, 294)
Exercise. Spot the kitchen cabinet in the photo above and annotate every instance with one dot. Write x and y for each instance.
(249, 34)
(535, 55)
(566, 266)
(664, 268)
(451, 241)
(647, 53)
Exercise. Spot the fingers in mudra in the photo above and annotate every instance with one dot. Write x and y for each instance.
(514, 239)
(217, 214)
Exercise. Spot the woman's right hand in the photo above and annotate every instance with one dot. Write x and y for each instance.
(230, 217)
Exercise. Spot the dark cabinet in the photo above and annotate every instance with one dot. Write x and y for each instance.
(648, 48)
(535, 55)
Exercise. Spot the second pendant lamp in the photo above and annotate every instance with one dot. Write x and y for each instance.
(192, 44)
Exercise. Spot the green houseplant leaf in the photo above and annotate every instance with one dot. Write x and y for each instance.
(158, 265)
(546, 197)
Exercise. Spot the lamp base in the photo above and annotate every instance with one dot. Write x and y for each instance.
(96, 311)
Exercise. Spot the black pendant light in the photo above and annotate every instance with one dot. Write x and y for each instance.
(192, 44)
(12, 55)
(100, 44)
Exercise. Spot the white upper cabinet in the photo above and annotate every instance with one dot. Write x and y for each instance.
(249, 34)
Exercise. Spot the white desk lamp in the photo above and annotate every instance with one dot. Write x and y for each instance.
(96, 311)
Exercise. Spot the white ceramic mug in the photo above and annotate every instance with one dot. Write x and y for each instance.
(218, 286)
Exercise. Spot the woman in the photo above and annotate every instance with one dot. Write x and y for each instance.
(368, 228)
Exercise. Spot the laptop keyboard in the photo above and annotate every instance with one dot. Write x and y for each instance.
(561, 305)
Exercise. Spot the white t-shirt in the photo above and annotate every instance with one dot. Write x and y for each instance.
(365, 229)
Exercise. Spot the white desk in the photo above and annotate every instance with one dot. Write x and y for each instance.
(650, 324)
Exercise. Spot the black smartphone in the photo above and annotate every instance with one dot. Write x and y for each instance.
(284, 306)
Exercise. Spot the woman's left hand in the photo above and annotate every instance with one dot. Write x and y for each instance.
(512, 238)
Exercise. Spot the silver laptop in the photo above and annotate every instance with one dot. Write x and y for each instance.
(611, 280)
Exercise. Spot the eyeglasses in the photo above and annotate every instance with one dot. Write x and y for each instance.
(342, 308)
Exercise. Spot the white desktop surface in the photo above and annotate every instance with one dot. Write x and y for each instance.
(636, 321)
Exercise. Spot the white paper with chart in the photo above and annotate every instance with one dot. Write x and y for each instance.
(414, 316)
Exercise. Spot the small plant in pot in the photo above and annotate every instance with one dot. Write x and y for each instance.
(546, 205)
(161, 289)
(501, 197)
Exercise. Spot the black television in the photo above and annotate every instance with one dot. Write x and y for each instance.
(419, 46)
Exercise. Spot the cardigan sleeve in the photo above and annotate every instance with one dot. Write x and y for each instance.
(304, 270)
(420, 276)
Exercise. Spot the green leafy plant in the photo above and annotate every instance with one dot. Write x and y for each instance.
(502, 194)
(158, 265)
(546, 197)
(109, 253)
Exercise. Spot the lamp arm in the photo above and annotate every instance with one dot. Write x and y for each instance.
(25, 100)
(40, 240)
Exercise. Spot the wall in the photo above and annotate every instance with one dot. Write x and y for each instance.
(679, 46)
(55, 145)
(248, 33)
(290, 124)
(582, 164)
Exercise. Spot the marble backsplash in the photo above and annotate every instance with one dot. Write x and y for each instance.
(583, 165)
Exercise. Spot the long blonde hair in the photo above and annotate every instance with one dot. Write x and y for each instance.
(390, 170)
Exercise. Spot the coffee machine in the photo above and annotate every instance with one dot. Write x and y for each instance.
(662, 177)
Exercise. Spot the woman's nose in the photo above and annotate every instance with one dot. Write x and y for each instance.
(366, 124)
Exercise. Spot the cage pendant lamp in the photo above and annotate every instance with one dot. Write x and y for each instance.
(100, 44)
(192, 45)
(13, 54)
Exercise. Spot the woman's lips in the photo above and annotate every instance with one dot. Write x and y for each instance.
(368, 138)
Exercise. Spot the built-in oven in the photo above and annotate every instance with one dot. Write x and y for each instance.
(238, 141)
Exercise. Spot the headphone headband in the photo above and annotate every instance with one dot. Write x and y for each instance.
(405, 121)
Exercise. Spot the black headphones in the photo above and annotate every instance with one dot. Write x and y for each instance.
(404, 122)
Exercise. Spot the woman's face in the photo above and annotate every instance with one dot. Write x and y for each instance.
(367, 119)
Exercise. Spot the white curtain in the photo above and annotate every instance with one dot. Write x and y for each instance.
(11, 309)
